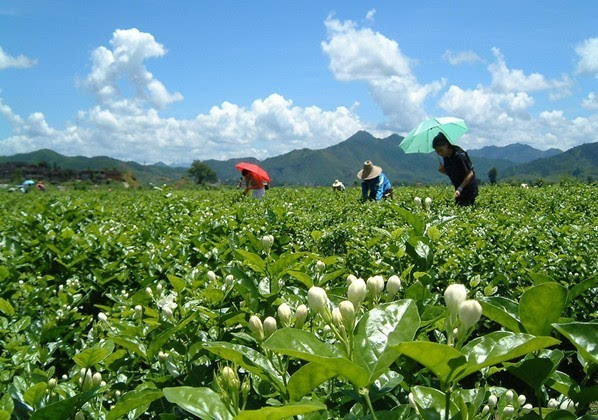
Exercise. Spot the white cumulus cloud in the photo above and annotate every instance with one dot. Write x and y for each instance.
(591, 101)
(461, 57)
(588, 56)
(19, 62)
(370, 15)
(365, 55)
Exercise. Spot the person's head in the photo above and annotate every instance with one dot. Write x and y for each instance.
(442, 146)
(245, 172)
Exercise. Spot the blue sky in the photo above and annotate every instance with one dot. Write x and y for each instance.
(261, 78)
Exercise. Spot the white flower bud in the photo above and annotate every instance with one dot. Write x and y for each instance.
(117, 393)
(256, 327)
(470, 312)
(267, 242)
(326, 329)
(357, 291)
(211, 275)
(79, 416)
(64, 377)
(229, 280)
(350, 279)
(485, 410)
(230, 377)
(508, 410)
(527, 408)
(453, 296)
(492, 400)
(455, 331)
(269, 326)
(552, 403)
(417, 201)
(428, 202)
(521, 399)
(393, 285)
(568, 405)
(138, 309)
(347, 310)
(375, 285)
(162, 356)
(285, 314)
(96, 379)
(148, 291)
(320, 266)
(300, 316)
(509, 396)
(159, 287)
(103, 383)
(337, 318)
(102, 317)
(52, 382)
(317, 299)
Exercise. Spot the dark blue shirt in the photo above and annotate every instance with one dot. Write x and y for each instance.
(375, 188)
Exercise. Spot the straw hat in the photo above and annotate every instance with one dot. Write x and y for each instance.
(369, 171)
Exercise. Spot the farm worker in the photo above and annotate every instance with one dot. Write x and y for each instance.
(338, 186)
(459, 168)
(375, 185)
(253, 182)
(40, 186)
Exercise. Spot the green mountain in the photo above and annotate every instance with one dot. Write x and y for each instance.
(517, 152)
(343, 160)
(157, 173)
(579, 162)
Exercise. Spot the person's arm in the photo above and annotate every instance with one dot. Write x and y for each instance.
(441, 169)
(364, 191)
(468, 178)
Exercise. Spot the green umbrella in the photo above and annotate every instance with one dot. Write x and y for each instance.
(419, 140)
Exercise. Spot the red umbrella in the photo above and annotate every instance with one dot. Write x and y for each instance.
(254, 169)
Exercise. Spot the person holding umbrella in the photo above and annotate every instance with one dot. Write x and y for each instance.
(459, 168)
(375, 185)
(440, 135)
(255, 178)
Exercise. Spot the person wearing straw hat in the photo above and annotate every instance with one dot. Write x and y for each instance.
(338, 186)
(374, 185)
(459, 168)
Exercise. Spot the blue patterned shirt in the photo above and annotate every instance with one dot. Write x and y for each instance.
(375, 188)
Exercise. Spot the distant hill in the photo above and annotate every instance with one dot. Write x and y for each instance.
(158, 172)
(517, 152)
(343, 160)
(580, 162)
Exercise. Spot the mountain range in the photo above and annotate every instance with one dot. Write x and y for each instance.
(341, 161)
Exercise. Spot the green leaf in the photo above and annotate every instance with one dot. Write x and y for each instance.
(540, 306)
(178, 283)
(252, 360)
(560, 415)
(63, 409)
(581, 288)
(4, 415)
(7, 404)
(89, 357)
(562, 383)
(430, 398)
(415, 221)
(133, 400)
(202, 402)
(304, 345)
(539, 278)
(133, 345)
(6, 307)
(246, 288)
(499, 347)
(164, 336)
(306, 378)
(252, 260)
(533, 372)
(302, 277)
(282, 412)
(35, 393)
(444, 361)
(502, 311)
(386, 325)
(584, 336)
(285, 260)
